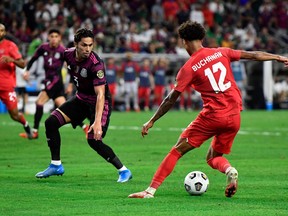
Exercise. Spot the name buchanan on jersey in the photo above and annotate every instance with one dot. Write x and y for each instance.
(206, 60)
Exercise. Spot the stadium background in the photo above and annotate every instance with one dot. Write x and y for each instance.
(88, 187)
(149, 29)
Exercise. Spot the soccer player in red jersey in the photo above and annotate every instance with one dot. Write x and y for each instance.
(208, 71)
(9, 57)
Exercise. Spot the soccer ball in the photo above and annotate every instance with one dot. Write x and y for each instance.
(196, 183)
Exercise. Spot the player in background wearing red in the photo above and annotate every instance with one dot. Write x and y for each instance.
(207, 71)
(9, 57)
(185, 99)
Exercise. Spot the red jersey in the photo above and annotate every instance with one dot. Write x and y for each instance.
(7, 70)
(208, 71)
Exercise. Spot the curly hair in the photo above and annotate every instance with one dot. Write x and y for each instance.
(191, 30)
(83, 33)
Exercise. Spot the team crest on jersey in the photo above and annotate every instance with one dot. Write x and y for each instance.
(45, 53)
(57, 55)
(83, 72)
(100, 74)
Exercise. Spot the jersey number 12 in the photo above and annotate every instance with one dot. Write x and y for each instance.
(220, 86)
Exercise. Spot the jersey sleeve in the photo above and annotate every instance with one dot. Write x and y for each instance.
(38, 52)
(98, 72)
(14, 51)
(234, 55)
(183, 79)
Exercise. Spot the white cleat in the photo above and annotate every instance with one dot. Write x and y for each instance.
(232, 182)
(141, 195)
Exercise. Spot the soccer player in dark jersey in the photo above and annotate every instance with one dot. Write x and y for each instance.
(92, 101)
(10, 57)
(52, 86)
(208, 71)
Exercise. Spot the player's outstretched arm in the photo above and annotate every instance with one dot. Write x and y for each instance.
(164, 107)
(263, 56)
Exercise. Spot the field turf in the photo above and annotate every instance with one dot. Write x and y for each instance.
(89, 186)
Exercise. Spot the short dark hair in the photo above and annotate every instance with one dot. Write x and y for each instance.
(83, 33)
(191, 30)
(54, 30)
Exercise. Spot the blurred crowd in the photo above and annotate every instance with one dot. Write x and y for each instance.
(150, 26)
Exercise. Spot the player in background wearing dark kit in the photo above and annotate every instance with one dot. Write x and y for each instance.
(208, 71)
(92, 101)
(9, 57)
(52, 86)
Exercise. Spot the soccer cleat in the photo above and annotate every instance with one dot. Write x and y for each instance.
(141, 195)
(85, 129)
(33, 135)
(51, 170)
(124, 176)
(232, 182)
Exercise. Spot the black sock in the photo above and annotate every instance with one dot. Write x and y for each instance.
(116, 162)
(106, 152)
(52, 126)
(38, 115)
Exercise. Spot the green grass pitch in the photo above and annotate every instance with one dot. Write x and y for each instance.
(89, 186)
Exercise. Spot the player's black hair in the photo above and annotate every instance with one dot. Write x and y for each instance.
(190, 31)
(83, 33)
(54, 30)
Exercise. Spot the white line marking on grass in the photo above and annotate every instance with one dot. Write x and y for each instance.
(171, 129)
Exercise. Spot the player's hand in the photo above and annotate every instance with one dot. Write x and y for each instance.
(69, 89)
(26, 75)
(284, 60)
(146, 127)
(6, 59)
(97, 128)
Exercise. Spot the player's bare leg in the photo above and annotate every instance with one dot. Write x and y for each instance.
(19, 117)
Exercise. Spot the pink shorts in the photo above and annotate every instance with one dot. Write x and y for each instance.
(222, 129)
(9, 98)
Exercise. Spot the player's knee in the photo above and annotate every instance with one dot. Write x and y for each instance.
(14, 117)
(52, 123)
(95, 144)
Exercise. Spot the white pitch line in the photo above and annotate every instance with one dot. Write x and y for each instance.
(171, 129)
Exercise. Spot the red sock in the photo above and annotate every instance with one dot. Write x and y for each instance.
(220, 163)
(165, 168)
(22, 119)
